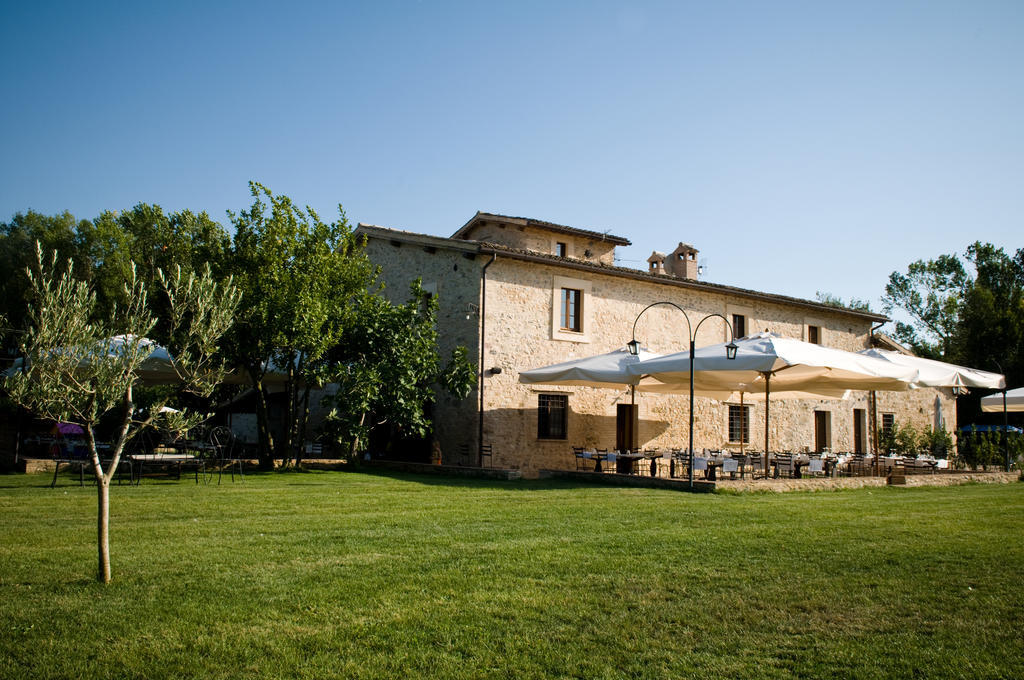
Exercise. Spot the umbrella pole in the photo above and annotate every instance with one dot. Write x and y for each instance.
(1006, 433)
(767, 392)
(743, 423)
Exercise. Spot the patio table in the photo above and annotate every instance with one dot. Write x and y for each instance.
(140, 461)
(626, 463)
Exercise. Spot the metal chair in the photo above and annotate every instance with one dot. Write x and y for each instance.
(226, 452)
(783, 463)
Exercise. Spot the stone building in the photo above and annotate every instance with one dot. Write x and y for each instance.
(521, 293)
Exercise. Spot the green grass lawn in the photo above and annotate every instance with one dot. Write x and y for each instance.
(332, 574)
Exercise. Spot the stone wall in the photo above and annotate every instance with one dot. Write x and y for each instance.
(521, 333)
(520, 336)
(543, 241)
(455, 280)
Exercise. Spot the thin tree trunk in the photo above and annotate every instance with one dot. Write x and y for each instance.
(354, 447)
(103, 528)
(301, 426)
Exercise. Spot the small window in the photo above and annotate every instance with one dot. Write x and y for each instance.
(888, 420)
(552, 411)
(572, 310)
(561, 249)
(739, 424)
(814, 335)
(739, 326)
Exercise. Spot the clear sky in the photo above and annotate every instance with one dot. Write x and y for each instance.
(800, 146)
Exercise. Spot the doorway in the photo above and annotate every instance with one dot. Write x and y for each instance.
(859, 429)
(821, 431)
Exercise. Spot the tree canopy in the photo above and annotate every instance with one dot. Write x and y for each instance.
(968, 311)
(302, 278)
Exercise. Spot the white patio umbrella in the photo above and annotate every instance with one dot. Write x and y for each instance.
(766, 363)
(156, 369)
(931, 373)
(602, 370)
(994, 402)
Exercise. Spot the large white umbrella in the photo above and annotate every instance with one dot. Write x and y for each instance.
(931, 373)
(157, 368)
(610, 371)
(766, 363)
(994, 402)
(601, 370)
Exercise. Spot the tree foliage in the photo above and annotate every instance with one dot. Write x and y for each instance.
(79, 366)
(969, 312)
(387, 366)
(301, 278)
(931, 293)
(835, 301)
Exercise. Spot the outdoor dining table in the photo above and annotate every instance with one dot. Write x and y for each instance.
(177, 460)
(626, 463)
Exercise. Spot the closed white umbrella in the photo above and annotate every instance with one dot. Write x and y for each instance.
(931, 373)
(994, 402)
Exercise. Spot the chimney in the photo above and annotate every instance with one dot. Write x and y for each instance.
(656, 263)
(682, 263)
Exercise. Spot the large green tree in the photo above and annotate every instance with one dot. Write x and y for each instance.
(76, 370)
(968, 311)
(104, 250)
(301, 277)
(931, 293)
(388, 367)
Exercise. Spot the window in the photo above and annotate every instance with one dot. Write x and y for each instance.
(571, 315)
(739, 326)
(888, 420)
(561, 249)
(552, 410)
(739, 424)
(572, 310)
(814, 335)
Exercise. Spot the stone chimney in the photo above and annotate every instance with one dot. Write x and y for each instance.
(682, 263)
(656, 263)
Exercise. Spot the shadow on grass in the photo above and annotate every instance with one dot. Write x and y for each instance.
(454, 481)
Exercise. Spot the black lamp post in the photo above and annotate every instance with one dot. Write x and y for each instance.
(730, 353)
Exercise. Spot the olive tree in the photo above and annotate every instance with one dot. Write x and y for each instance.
(79, 367)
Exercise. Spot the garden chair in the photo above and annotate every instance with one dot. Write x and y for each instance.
(226, 452)
(783, 463)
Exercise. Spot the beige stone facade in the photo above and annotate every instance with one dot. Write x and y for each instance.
(503, 282)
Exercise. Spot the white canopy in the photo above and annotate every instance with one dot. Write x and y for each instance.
(790, 364)
(994, 402)
(931, 373)
(157, 368)
(766, 364)
(607, 370)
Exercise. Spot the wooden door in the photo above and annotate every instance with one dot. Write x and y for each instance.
(858, 431)
(627, 426)
(820, 431)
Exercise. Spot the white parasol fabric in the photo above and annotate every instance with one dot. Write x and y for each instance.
(791, 365)
(157, 368)
(933, 373)
(767, 364)
(994, 402)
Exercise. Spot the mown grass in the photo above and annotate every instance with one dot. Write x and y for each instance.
(331, 574)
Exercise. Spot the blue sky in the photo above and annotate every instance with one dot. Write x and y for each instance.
(800, 146)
